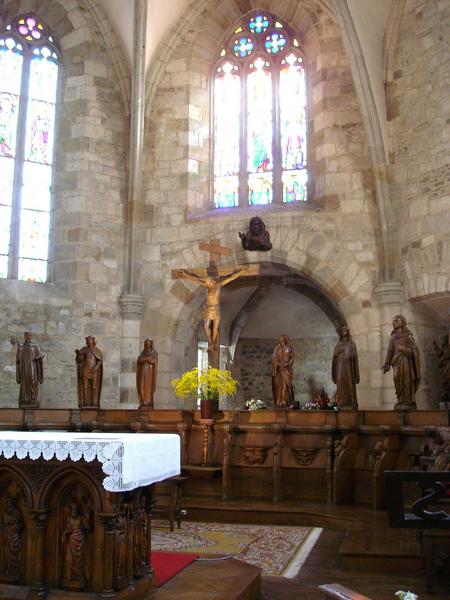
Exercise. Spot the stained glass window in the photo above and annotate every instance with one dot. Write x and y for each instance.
(29, 62)
(259, 135)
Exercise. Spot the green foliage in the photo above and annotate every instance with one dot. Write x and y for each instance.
(209, 384)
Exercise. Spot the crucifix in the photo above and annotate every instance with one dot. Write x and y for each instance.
(213, 279)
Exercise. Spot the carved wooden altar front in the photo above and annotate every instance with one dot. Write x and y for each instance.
(63, 532)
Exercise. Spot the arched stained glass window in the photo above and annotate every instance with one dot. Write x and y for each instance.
(28, 83)
(259, 107)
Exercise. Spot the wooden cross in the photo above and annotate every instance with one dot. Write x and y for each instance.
(215, 250)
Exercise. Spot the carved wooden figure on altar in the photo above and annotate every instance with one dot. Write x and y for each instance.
(12, 527)
(146, 371)
(120, 549)
(213, 285)
(443, 353)
(74, 548)
(282, 372)
(29, 371)
(256, 237)
(345, 370)
(403, 356)
(140, 549)
(89, 374)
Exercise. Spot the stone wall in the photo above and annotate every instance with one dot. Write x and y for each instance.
(312, 368)
(333, 239)
(418, 107)
(88, 195)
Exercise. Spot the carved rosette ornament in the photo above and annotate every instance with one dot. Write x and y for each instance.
(254, 456)
(305, 456)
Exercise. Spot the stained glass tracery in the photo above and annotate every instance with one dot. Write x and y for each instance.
(260, 116)
(26, 151)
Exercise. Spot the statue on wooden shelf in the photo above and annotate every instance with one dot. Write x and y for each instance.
(403, 356)
(282, 372)
(120, 549)
(12, 528)
(345, 370)
(89, 374)
(140, 545)
(443, 353)
(256, 237)
(74, 548)
(213, 285)
(29, 371)
(146, 371)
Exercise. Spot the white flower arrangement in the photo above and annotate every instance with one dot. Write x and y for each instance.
(253, 404)
(406, 595)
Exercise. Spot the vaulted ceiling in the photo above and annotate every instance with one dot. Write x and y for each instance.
(369, 18)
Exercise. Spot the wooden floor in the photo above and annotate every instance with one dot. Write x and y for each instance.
(357, 549)
(324, 566)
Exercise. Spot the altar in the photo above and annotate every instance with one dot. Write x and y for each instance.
(75, 511)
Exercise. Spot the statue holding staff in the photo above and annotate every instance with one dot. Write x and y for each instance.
(29, 371)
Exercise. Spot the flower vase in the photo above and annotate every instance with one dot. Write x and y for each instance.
(208, 408)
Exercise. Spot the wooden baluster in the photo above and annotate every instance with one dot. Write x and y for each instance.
(40, 519)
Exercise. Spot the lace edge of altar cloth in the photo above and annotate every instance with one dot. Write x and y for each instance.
(128, 460)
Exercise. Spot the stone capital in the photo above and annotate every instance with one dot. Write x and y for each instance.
(132, 307)
(389, 292)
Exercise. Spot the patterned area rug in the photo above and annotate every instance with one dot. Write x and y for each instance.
(276, 550)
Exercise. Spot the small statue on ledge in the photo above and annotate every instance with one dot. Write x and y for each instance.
(443, 353)
(345, 370)
(89, 374)
(256, 237)
(146, 371)
(282, 373)
(403, 356)
(29, 371)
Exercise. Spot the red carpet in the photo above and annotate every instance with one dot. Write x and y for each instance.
(166, 565)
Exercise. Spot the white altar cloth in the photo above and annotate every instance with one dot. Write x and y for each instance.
(129, 460)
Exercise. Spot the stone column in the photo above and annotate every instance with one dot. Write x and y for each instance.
(390, 301)
(131, 302)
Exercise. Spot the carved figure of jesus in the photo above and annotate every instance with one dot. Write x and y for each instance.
(211, 308)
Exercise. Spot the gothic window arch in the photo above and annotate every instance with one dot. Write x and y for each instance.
(29, 65)
(259, 116)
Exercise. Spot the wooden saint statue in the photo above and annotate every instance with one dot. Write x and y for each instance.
(146, 371)
(443, 353)
(403, 356)
(282, 372)
(89, 374)
(345, 370)
(29, 371)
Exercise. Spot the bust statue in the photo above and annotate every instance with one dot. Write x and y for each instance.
(256, 237)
